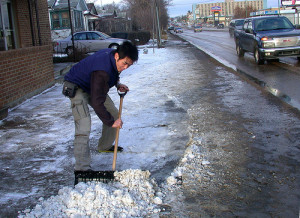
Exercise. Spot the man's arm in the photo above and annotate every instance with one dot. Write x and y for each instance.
(99, 90)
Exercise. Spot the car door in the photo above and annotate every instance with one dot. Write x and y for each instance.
(96, 41)
(81, 42)
(251, 37)
(231, 28)
(248, 37)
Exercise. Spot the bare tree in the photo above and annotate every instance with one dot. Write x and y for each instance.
(242, 12)
(141, 13)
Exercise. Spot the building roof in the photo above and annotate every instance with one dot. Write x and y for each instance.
(62, 4)
(92, 8)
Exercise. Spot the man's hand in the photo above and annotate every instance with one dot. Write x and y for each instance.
(123, 88)
(118, 124)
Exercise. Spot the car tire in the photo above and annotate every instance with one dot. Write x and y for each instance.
(239, 51)
(298, 58)
(273, 60)
(113, 46)
(257, 56)
(69, 51)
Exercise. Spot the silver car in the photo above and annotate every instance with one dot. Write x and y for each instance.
(87, 41)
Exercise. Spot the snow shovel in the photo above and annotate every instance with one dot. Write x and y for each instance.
(102, 176)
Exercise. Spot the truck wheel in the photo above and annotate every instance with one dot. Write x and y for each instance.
(239, 51)
(257, 57)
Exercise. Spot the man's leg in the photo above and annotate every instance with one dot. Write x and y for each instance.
(82, 120)
(108, 133)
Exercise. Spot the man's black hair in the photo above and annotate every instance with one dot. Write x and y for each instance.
(127, 49)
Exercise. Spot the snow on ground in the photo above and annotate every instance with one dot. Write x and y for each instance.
(133, 194)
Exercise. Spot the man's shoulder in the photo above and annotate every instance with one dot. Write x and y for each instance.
(104, 51)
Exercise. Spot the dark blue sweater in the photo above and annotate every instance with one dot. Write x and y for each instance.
(96, 74)
(102, 60)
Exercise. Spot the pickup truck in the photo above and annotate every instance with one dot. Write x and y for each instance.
(268, 38)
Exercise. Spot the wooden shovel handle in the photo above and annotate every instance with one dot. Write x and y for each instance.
(117, 135)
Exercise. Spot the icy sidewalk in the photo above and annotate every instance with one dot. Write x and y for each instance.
(37, 136)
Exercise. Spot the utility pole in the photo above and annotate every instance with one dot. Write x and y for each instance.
(158, 26)
(153, 14)
(72, 32)
(225, 13)
(246, 10)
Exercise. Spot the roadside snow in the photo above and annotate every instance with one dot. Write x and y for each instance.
(131, 195)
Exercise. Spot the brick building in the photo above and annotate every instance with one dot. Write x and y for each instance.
(26, 66)
(204, 13)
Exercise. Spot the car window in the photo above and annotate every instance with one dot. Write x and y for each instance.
(80, 36)
(260, 25)
(280, 24)
(273, 24)
(93, 36)
(103, 35)
(239, 22)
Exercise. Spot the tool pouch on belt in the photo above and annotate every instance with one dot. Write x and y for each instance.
(69, 89)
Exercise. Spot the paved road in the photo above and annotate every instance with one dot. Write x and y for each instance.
(282, 78)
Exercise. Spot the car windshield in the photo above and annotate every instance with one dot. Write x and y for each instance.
(105, 36)
(239, 22)
(273, 24)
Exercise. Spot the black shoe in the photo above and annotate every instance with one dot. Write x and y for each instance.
(120, 149)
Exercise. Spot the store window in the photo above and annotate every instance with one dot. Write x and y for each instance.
(7, 33)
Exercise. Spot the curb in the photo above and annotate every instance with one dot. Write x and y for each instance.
(59, 74)
(275, 92)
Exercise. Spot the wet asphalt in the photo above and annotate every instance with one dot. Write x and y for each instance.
(252, 141)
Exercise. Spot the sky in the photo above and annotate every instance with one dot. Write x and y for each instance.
(181, 7)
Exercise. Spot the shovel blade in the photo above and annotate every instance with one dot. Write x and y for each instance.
(96, 176)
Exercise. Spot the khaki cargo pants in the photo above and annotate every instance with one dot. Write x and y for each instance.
(82, 120)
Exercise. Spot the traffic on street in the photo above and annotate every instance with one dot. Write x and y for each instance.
(281, 77)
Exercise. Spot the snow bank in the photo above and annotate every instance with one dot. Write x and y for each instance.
(131, 195)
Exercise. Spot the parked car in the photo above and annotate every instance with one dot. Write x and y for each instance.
(136, 37)
(268, 38)
(220, 26)
(178, 30)
(87, 41)
(198, 28)
(171, 28)
(235, 24)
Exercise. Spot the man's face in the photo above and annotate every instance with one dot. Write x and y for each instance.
(122, 64)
